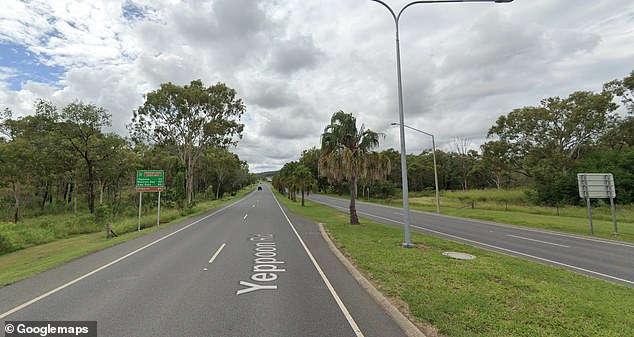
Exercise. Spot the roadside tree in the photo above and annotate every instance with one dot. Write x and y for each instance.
(347, 155)
(187, 119)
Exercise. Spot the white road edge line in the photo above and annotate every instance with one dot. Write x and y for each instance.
(334, 294)
(530, 256)
(66, 285)
(502, 249)
(529, 239)
(518, 227)
(491, 223)
(217, 253)
(245, 217)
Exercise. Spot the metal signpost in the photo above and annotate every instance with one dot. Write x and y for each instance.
(597, 186)
(150, 181)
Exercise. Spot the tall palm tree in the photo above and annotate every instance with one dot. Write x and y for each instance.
(347, 154)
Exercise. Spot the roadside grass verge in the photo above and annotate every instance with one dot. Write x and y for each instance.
(489, 207)
(30, 261)
(493, 295)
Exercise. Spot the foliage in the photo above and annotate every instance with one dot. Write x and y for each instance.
(58, 160)
(187, 120)
(310, 159)
(346, 154)
(383, 189)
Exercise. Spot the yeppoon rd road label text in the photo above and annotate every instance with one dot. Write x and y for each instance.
(266, 266)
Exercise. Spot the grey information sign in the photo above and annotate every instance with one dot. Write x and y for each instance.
(597, 186)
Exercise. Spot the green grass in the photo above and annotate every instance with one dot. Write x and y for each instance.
(494, 295)
(510, 207)
(24, 263)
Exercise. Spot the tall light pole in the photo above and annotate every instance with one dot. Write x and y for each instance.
(433, 146)
(407, 242)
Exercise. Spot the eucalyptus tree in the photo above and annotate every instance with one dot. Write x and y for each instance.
(187, 119)
(545, 142)
(222, 167)
(556, 133)
(347, 155)
(14, 160)
(80, 125)
(624, 89)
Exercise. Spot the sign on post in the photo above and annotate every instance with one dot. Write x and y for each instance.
(597, 186)
(150, 181)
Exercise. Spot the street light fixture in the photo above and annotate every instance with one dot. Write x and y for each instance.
(433, 145)
(408, 243)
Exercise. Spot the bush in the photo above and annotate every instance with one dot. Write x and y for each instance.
(10, 239)
(383, 190)
(102, 214)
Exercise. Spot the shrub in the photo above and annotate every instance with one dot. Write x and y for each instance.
(383, 190)
(10, 240)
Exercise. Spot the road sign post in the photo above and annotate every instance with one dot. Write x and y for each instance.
(138, 227)
(598, 186)
(150, 181)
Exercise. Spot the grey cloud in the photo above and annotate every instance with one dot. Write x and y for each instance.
(297, 54)
(295, 125)
(271, 94)
(490, 60)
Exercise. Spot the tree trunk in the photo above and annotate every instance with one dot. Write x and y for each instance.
(74, 197)
(220, 178)
(16, 199)
(46, 194)
(91, 186)
(102, 186)
(68, 193)
(302, 198)
(117, 197)
(189, 180)
(354, 219)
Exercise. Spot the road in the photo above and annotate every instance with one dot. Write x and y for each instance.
(606, 259)
(249, 269)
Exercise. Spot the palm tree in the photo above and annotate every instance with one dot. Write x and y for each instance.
(347, 155)
(287, 179)
(304, 180)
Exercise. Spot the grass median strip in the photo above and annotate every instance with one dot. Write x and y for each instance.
(493, 295)
(572, 219)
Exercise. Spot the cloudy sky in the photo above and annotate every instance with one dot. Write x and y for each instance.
(295, 62)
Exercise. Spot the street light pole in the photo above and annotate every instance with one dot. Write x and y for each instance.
(407, 242)
(433, 146)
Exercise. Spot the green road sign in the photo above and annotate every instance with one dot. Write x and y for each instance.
(150, 180)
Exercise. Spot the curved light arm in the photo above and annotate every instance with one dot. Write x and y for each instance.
(398, 17)
(415, 129)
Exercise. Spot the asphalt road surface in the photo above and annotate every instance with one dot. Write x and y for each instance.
(606, 259)
(248, 269)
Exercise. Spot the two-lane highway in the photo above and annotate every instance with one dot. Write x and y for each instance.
(244, 270)
(605, 259)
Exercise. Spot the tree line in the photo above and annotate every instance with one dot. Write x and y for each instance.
(61, 158)
(541, 148)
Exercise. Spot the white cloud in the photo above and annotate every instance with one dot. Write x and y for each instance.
(296, 62)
